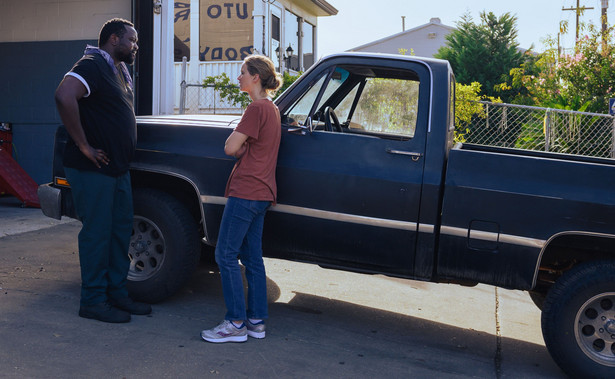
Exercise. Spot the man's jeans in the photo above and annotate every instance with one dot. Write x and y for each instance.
(240, 236)
(104, 204)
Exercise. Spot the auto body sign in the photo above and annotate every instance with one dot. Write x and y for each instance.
(226, 30)
(182, 30)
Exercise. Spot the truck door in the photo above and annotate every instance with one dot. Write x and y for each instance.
(350, 167)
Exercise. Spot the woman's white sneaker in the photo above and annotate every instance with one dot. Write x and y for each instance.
(226, 331)
(255, 330)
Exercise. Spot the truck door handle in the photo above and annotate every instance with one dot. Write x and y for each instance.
(415, 156)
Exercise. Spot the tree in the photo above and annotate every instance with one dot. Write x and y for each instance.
(468, 108)
(227, 91)
(583, 81)
(516, 86)
(230, 92)
(484, 53)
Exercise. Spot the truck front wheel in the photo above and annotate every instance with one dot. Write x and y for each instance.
(164, 247)
(578, 320)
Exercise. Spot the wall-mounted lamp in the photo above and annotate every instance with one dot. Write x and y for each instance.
(288, 56)
(157, 6)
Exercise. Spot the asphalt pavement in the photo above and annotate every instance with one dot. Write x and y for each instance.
(323, 323)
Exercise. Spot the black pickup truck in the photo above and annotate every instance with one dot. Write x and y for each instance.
(370, 180)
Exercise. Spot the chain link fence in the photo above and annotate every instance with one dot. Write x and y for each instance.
(545, 129)
(196, 98)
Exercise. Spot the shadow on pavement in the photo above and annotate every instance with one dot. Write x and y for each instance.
(309, 336)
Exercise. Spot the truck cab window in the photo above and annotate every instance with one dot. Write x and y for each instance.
(377, 102)
(386, 106)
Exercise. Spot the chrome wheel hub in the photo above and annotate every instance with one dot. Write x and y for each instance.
(595, 328)
(146, 250)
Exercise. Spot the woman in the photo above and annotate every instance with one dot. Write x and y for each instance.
(250, 190)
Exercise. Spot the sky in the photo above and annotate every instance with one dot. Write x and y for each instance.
(362, 21)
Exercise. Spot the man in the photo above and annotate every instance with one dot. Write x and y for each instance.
(95, 103)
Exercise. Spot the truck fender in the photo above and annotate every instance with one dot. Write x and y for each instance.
(565, 249)
(180, 186)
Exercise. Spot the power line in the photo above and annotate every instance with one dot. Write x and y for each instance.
(579, 10)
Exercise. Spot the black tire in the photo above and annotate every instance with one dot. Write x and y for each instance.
(164, 247)
(208, 254)
(538, 298)
(578, 320)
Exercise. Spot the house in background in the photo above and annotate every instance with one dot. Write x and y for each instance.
(40, 40)
(422, 41)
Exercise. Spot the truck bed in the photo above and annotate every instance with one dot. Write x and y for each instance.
(501, 206)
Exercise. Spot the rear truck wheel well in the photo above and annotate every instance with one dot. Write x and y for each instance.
(180, 188)
(568, 250)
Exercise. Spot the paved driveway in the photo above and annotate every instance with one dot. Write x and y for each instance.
(323, 324)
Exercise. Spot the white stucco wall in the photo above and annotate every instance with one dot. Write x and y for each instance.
(57, 20)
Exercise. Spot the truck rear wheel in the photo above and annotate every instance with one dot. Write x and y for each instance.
(164, 247)
(578, 320)
(538, 298)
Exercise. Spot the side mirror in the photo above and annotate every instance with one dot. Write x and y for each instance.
(308, 124)
(302, 129)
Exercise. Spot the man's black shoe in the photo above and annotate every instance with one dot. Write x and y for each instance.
(131, 306)
(104, 312)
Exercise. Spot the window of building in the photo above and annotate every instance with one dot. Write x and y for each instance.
(181, 28)
(276, 32)
(290, 50)
(226, 30)
(308, 45)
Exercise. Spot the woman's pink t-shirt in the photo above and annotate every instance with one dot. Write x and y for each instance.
(253, 177)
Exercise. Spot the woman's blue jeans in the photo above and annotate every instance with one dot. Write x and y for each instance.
(240, 236)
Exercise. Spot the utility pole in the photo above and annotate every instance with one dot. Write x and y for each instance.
(578, 10)
(605, 5)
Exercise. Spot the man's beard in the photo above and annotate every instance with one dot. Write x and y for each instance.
(128, 58)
